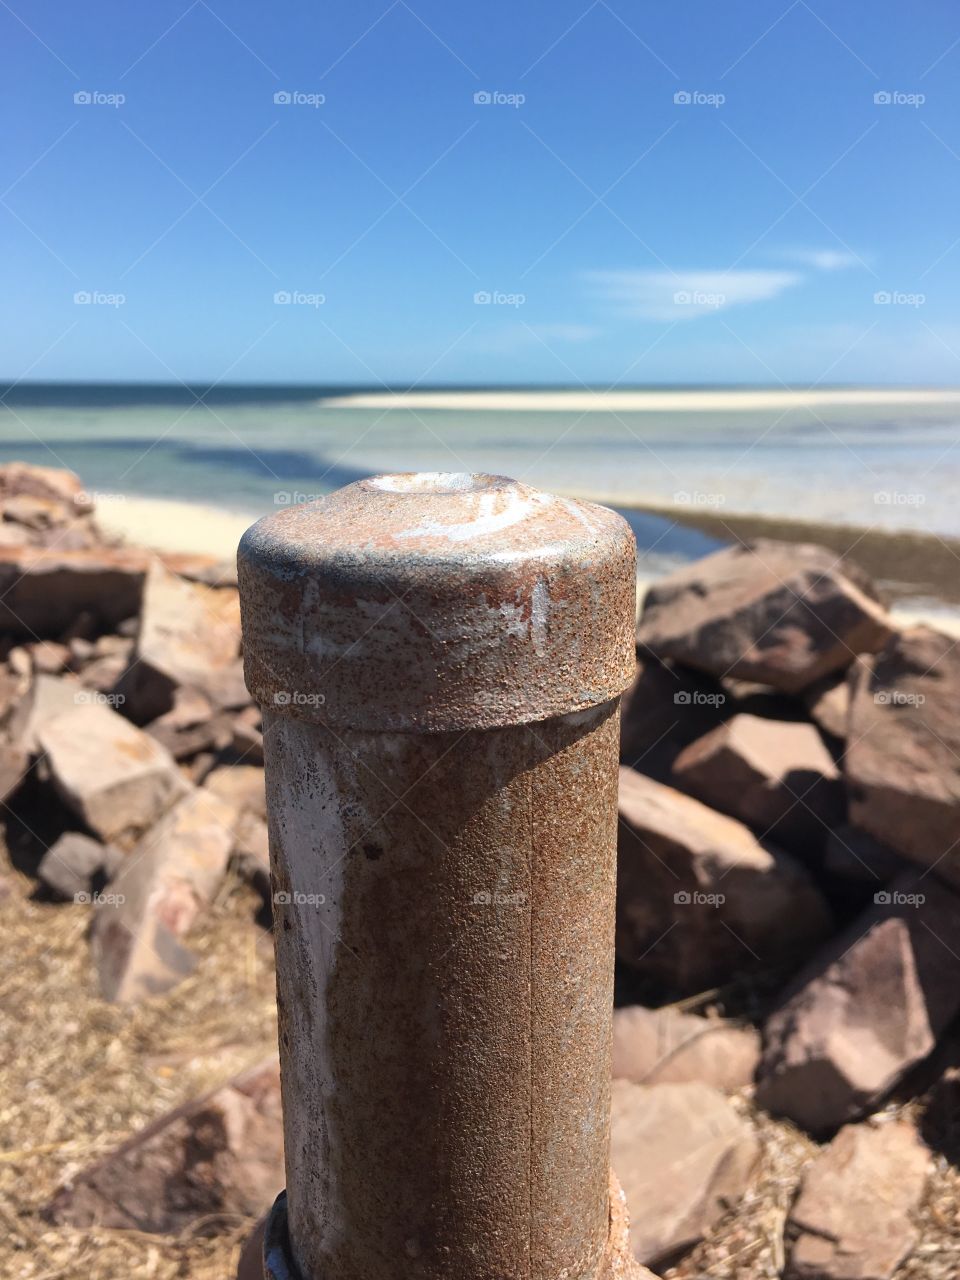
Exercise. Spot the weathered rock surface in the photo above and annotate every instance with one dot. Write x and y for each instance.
(699, 898)
(852, 1220)
(114, 776)
(191, 725)
(160, 889)
(40, 503)
(189, 637)
(782, 614)
(665, 1046)
(14, 763)
(683, 1156)
(828, 704)
(867, 1009)
(241, 786)
(777, 777)
(74, 862)
(46, 698)
(219, 1155)
(664, 709)
(903, 760)
(42, 590)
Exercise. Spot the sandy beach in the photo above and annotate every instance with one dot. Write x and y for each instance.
(917, 572)
(653, 401)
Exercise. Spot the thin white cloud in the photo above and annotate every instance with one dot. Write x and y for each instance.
(824, 259)
(686, 295)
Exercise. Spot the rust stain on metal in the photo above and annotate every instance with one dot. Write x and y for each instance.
(440, 660)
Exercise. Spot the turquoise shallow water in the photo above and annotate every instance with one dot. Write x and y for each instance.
(248, 449)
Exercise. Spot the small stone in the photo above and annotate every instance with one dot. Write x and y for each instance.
(777, 777)
(113, 775)
(683, 1157)
(666, 1046)
(852, 1219)
(191, 725)
(46, 698)
(49, 656)
(782, 614)
(72, 864)
(699, 898)
(218, 1156)
(156, 897)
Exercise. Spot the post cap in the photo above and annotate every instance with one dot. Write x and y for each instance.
(424, 602)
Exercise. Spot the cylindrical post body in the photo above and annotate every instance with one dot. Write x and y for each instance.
(444, 890)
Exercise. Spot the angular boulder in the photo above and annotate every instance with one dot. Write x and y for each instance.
(664, 709)
(189, 636)
(43, 590)
(866, 1010)
(46, 698)
(852, 1219)
(218, 1156)
(72, 864)
(783, 614)
(156, 897)
(191, 725)
(828, 705)
(778, 777)
(113, 775)
(903, 760)
(666, 1046)
(683, 1157)
(242, 786)
(699, 898)
(14, 764)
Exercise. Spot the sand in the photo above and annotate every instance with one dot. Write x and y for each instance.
(634, 401)
(917, 572)
(173, 526)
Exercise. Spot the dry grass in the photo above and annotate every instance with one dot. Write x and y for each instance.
(78, 1076)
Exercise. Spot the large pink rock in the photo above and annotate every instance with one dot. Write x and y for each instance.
(852, 1219)
(683, 1157)
(699, 897)
(667, 1046)
(776, 776)
(218, 1156)
(114, 776)
(156, 897)
(903, 759)
(189, 636)
(782, 614)
(866, 1010)
(43, 590)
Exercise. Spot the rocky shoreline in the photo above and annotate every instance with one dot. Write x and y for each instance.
(786, 1049)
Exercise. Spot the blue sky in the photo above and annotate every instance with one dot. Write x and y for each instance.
(566, 192)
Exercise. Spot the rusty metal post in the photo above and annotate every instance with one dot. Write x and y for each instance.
(440, 659)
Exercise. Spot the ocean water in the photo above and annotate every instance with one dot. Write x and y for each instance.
(874, 464)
